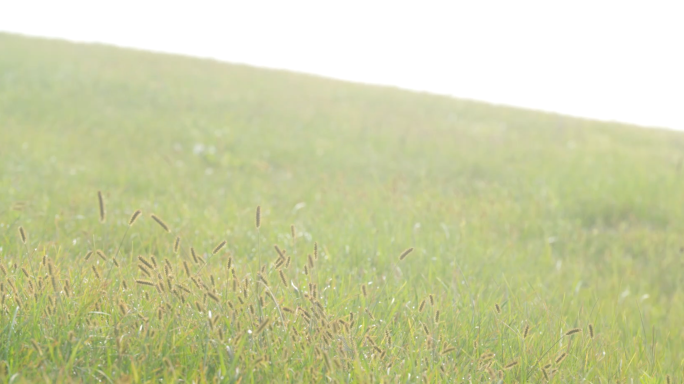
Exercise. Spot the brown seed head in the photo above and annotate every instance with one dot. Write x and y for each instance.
(145, 261)
(134, 217)
(405, 253)
(561, 357)
(160, 222)
(213, 296)
(447, 350)
(176, 244)
(510, 365)
(421, 307)
(262, 326)
(101, 255)
(100, 200)
(218, 247)
(22, 235)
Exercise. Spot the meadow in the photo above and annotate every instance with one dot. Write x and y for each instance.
(170, 219)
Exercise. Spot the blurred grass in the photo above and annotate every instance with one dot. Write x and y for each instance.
(567, 221)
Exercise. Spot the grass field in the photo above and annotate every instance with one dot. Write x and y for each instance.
(524, 226)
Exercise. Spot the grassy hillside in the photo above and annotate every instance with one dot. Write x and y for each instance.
(560, 222)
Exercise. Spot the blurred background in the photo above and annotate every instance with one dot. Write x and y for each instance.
(609, 60)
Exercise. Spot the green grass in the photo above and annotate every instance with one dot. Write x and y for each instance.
(562, 222)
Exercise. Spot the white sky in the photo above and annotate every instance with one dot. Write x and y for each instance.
(611, 60)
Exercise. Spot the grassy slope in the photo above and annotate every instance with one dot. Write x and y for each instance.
(564, 222)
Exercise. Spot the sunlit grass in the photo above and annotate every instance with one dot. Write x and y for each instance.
(544, 248)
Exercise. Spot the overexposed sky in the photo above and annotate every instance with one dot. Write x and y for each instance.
(611, 60)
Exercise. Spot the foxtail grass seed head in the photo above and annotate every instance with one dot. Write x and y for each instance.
(258, 216)
(218, 247)
(591, 330)
(176, 244)
(134, 217)
(668, 379)
(363, 289)
(143, 260)
(122, 308)
(311, 262)
(315, 251)
(510, 365)
(194, 255)
(144, 270)
(213, 297)
(497, 308)
(282, 277)
(487, 356)
(100, 200)
(421, 307)
(573, 331)
(526, 331)
(97, 274)
(87, 256)
(293, 232)
(160, 222)
(405, 253)
(22, 235)
(278, 251)
(437, 316)
(101, 255)
(145, 282)
(262, 326)
(447, 350)
(561, 357)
